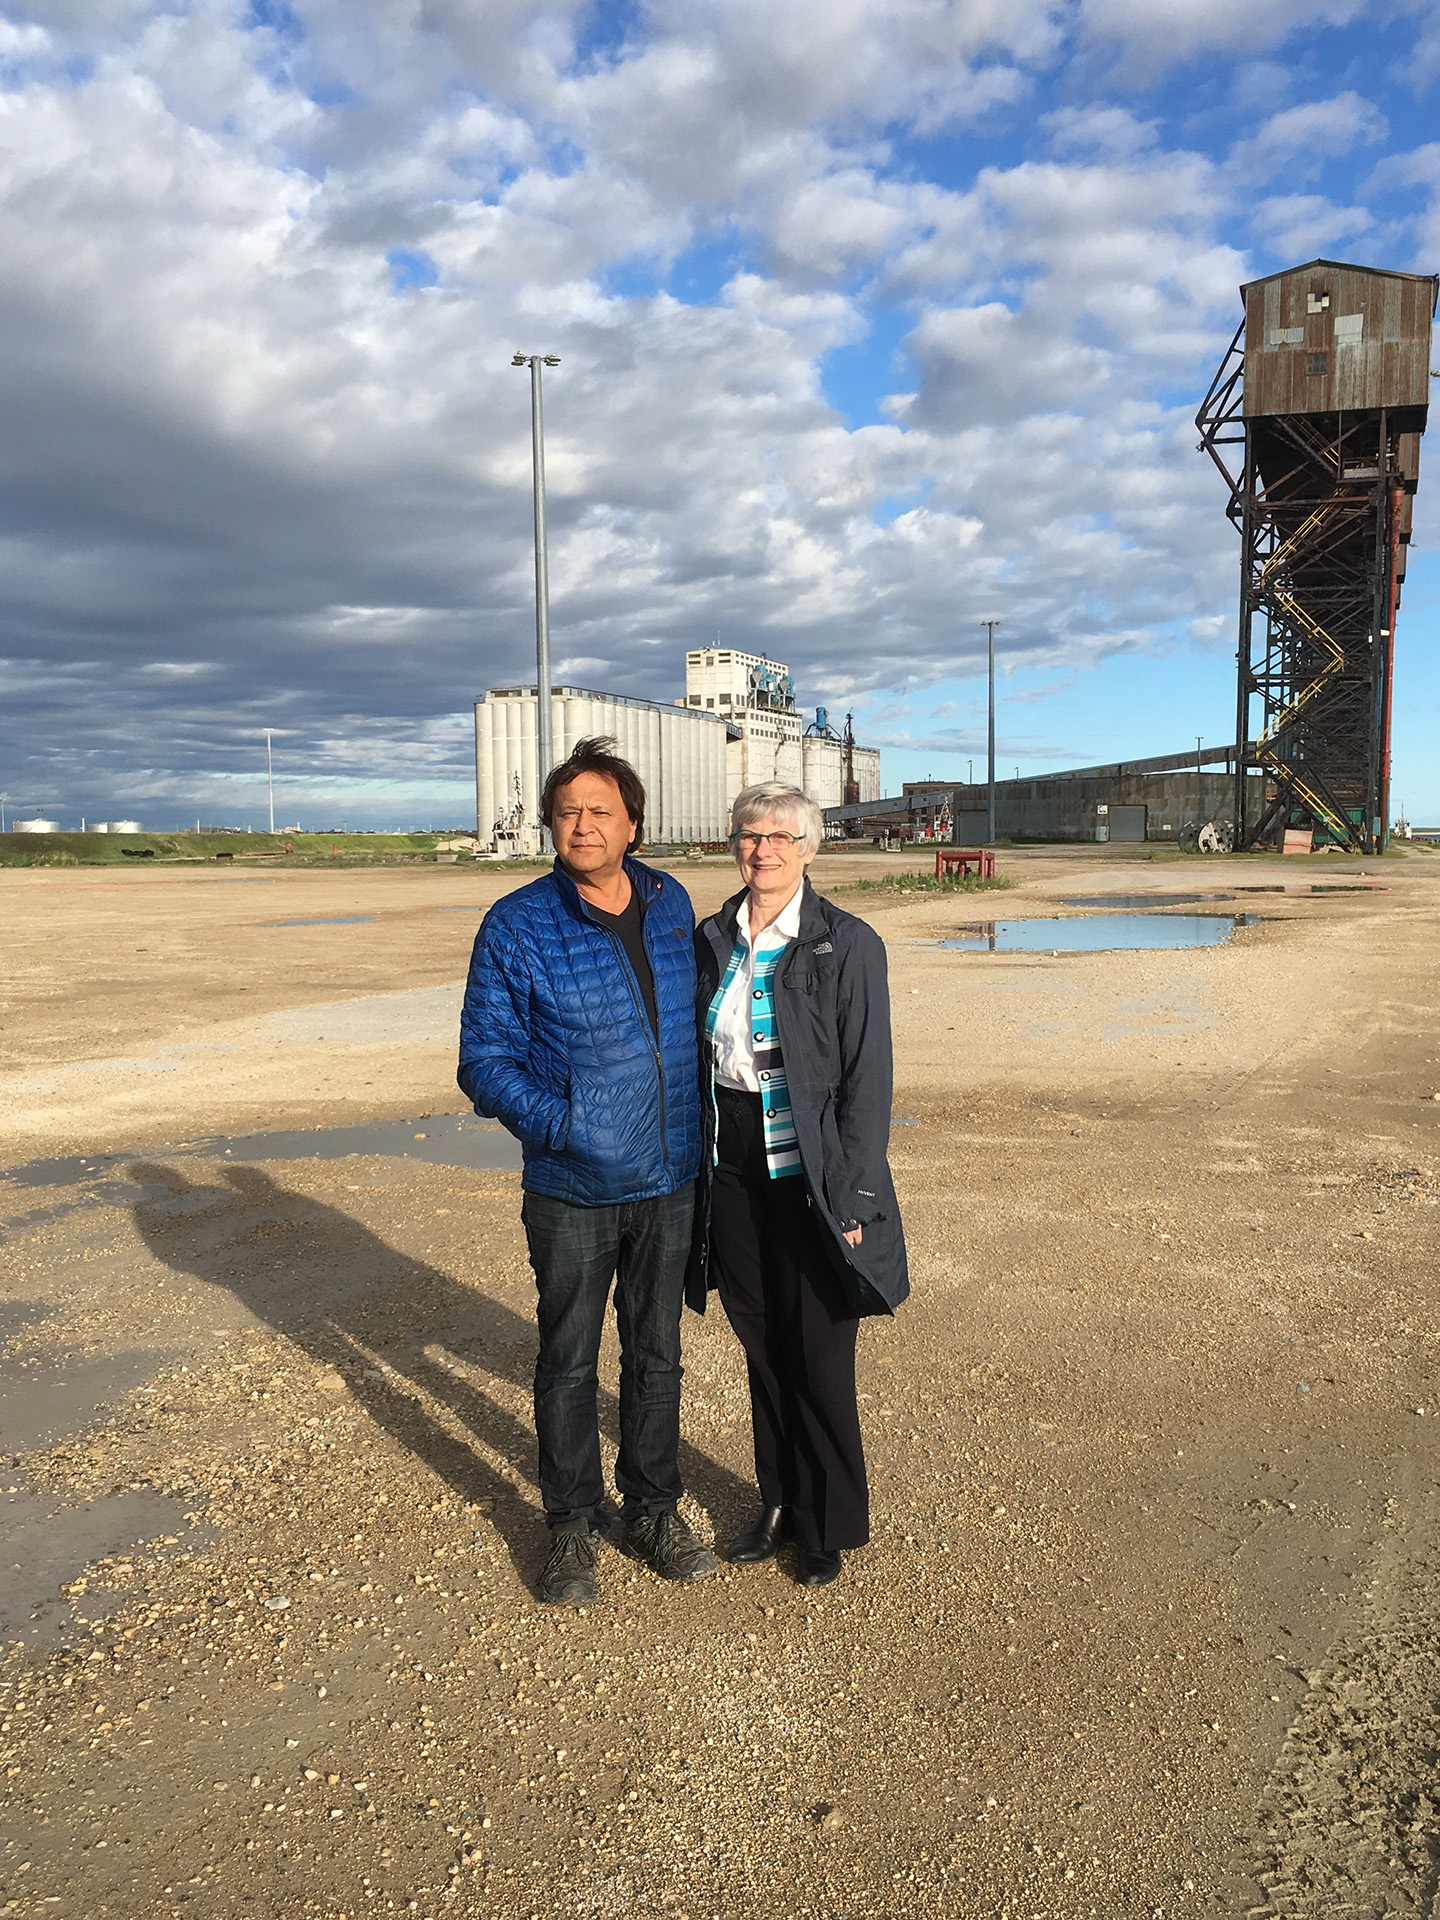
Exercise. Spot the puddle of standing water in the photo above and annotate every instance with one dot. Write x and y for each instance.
(46, 1545)
(332, 920)
(41, 1405)
(1140, 900)
(443, 1140)
(1099, 933)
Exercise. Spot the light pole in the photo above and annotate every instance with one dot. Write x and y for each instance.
(270, 778)
(544, 731)
(990, 626)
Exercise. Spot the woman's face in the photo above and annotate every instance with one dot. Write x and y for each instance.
(767, 864)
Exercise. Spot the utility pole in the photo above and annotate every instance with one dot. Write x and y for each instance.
(990, 626)
(270, 778)
(544, 732)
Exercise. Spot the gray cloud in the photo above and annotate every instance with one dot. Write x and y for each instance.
(256, 472)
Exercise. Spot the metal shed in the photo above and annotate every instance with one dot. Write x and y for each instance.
(1326, 338)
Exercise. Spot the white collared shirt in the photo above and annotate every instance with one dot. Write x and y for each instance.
(734, 1042)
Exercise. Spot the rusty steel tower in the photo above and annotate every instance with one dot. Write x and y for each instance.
(1314, 419)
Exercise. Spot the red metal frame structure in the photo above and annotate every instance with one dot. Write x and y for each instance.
(959, 860)
(1316, 428)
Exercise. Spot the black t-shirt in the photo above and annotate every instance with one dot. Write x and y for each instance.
(629, 929)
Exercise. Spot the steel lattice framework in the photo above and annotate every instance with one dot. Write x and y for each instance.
(1319, 501)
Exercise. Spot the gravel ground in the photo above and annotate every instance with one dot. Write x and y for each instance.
(1146, 1624)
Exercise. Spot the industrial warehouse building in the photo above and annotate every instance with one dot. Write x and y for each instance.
(737, 724)
(1169, 797)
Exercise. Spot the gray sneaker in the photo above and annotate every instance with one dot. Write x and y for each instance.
(567, 1578)
(667, 1546)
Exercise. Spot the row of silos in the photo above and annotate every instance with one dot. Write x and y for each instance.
(679, 754)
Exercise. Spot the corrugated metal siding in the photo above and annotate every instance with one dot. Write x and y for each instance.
(1369, 347)
(679, 755)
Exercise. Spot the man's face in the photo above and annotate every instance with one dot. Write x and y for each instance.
(591, 829)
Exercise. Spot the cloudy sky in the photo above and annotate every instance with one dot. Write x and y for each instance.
(876, 317)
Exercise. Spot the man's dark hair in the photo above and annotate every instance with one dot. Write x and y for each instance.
(596, 756)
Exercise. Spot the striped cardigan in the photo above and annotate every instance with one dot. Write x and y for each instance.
(782, 1149)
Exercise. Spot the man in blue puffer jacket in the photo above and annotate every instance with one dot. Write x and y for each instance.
(578, 1034)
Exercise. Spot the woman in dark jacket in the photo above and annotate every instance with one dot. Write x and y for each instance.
(797, 1227)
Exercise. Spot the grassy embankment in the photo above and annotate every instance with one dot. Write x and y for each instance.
(243, 849)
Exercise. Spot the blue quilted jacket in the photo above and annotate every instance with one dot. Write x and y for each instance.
(555, 1042)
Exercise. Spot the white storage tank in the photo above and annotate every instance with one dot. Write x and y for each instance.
(123, 826)
(35, 826)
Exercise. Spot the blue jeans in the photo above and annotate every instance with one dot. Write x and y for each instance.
(643, 1246)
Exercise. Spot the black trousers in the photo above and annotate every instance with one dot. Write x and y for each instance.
(783, 1297)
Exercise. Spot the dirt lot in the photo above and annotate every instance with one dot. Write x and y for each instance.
(1147, 1624)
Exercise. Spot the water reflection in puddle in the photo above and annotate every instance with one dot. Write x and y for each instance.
(1099, 933)
(1131, 901)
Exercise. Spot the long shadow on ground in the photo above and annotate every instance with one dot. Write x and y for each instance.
(351, 1302)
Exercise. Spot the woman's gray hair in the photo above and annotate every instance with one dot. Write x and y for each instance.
(774, 800)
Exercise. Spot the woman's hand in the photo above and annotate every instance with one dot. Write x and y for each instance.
(853, 1236)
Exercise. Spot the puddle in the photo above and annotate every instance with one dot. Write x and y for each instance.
(1099, 933)
(41, 1405)
(444, 1140)
(1133, 901)
(15, 1314)
(43, 1545)
(459, 909)
(331, 920)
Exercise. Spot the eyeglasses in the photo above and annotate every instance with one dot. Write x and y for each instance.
(752, 842)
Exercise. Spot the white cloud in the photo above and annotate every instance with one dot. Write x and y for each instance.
(1302, 140)
(1301, 225)
(1163, 31)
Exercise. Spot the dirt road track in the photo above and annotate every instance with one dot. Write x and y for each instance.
(1147, 1623)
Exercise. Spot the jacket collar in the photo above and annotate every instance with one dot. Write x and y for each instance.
(813, 921)
(646, 882)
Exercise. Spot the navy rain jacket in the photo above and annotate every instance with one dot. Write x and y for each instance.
(555, 1042)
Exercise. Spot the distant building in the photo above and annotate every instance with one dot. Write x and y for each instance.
(737, 724)
(680, 756)
(768, 738)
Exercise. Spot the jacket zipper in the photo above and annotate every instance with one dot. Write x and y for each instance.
(629, 973)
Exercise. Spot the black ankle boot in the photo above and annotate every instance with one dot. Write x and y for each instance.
(761, 1539)
(815, 1567)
